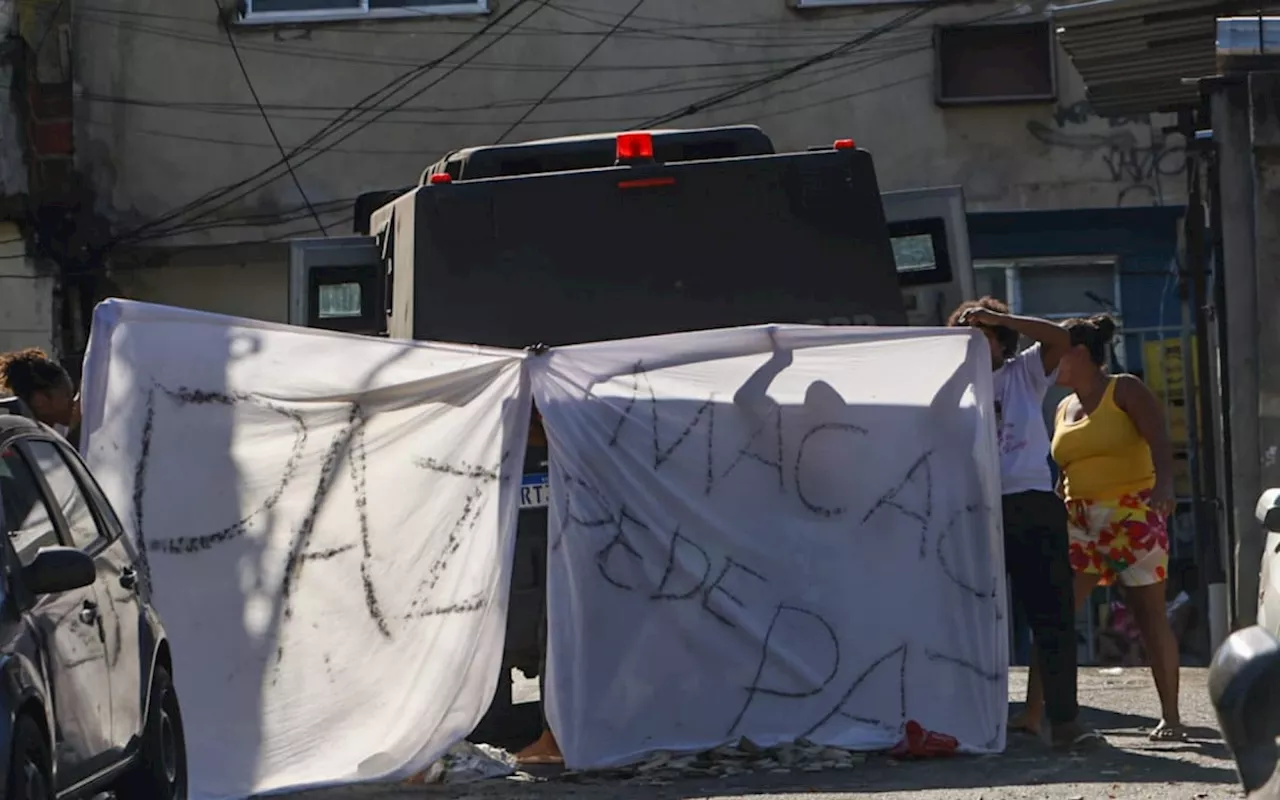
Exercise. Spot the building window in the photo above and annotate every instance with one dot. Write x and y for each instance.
(266, 11)
(920, 251)
(341, 301)
(914, 253)
(1056, 288)
(839, 3)
(997, 63)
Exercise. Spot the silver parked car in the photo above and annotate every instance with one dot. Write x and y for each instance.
(1244, 679)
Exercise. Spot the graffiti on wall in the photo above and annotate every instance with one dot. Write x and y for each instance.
(1133, 153)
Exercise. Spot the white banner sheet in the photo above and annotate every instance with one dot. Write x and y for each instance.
(328, 523)
(772, 533)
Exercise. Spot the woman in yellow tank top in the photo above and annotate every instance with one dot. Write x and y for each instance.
(1116, 465)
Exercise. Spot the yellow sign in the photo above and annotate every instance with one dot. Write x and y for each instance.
(1164, 372)
(1163, 367)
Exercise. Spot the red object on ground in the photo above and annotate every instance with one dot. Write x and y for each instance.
(920, 743)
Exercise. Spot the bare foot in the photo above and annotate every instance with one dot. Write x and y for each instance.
(1022, 722)
(544, 751)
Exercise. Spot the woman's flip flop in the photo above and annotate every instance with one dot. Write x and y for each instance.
(1168, 733)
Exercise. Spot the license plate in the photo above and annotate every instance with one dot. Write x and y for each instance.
(534, 491)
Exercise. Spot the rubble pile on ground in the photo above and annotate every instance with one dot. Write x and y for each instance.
(467, 763)
(727, 761)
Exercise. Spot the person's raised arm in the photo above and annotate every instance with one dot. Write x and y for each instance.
(1140, 403)
(1054, 339)
(753, 396)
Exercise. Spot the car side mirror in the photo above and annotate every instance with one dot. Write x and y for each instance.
(58, 569)
(1244, 686)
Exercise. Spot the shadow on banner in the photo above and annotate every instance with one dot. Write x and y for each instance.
(804, 544)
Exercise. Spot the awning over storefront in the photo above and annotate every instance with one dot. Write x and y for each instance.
(1135, 54)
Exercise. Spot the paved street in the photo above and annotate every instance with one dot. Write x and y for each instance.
(1119, 705)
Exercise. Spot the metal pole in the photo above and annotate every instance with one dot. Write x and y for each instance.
(1232, 134)
(1264, 98)
(1221, 372)
(1193, 266)
(1209, 550)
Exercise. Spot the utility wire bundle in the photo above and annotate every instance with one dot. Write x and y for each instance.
(202, 212)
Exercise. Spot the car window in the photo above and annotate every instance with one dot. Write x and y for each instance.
(25, 519)
(106, 512)
(67, 493)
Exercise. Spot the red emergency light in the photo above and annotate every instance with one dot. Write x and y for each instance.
(647, 183)
(635, 147)
(440, 177)
(844, 144)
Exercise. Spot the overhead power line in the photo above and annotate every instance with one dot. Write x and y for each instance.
(377, 106)
(389, 89)
(839, 71)
(240, 193)
(257, 101)
(565, 77)
(242, 189)
(828, 74)
(779, 30)
(903, 44)
(782, 74)
(448, 114)
(50, 27)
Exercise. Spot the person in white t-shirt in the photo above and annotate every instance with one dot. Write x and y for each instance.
(1035, 519)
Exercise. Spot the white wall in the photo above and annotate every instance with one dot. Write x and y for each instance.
(257, 289)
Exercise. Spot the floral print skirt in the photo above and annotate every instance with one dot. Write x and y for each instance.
(1122, 540)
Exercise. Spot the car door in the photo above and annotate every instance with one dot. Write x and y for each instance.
(130, 661)
(93, 529)
(68, 626)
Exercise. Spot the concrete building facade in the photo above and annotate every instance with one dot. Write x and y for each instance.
(975, 94)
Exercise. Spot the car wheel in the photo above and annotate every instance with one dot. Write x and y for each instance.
(29, 765)
(161, 771)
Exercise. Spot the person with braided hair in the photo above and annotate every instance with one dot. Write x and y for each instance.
(44, 387)
(1117, 479)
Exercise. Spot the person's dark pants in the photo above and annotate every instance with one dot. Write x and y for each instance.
(1035, 552)
(1021, 633)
